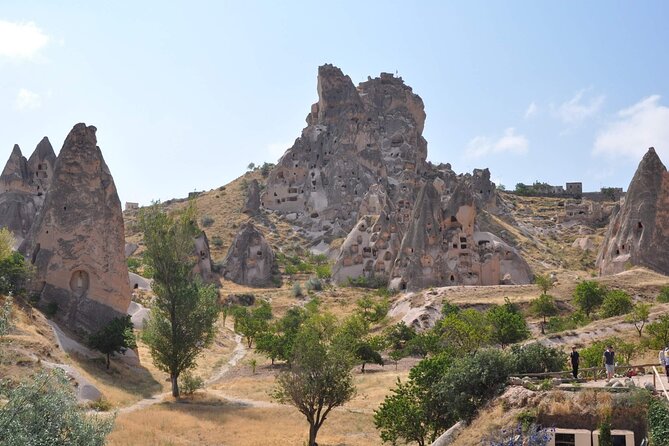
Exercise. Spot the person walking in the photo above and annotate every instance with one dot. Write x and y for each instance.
(573, 358)
(609, 362)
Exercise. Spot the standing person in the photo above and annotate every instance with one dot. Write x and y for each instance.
(609, 364)
(666, 361)
(573, 358)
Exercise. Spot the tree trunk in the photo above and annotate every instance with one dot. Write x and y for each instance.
(363, 368)
(175, 385)
(542, 325)
(313, 430)
(107, 361)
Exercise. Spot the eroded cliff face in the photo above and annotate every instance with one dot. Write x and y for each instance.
(77, 240)
(250, 260)
(356, 172)
(638, 232)
(23, 183)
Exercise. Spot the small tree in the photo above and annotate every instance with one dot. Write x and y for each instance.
(319, 378)
(544, 282)
(115, 337)
(588, 295)
(544, 306)
(536, 358)
(616, 303)
(464, 332)
(44, 411)
(508, 324)
(6, 314)
(184, 311)
(251, 166)
(659, 332)
(251, 323)
(639, 316)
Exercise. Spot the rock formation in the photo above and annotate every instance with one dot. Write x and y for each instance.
(252, 204)
(356, 172)
(250, 259)
(22, 186)
(203, 265)
(77, 240)
(638, 233)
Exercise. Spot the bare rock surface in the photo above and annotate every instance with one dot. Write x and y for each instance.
(77, 240)
(252, 204)
(250, 259)
(638, 233)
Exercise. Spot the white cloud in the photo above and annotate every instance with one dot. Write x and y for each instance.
(532, 110)
(644, 124)
(21, 40)
(510, 142)
(578, 109)
(28, 100)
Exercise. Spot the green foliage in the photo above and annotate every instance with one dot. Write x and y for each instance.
(184, 311)
(397, 338)
(508, 324)
(570, 322)
(134, 264)
(6, 243)
(589, 295)
(527, 418)
(290, 270)
(639, 316)
(297, 290)
(6, 316)
(373, 310)
(544, 282)
(278, 341)
(616, 303)
(374, 282)
(658, 423)
(44, 411)
(591, 356)
(663, 297)
(543, 306)
(609, 193)
(464, 332)
(448, 308)
(206, 221)
(313, 284)
(115, 337)
(472, 380)
(605, 438)
(659, 332)
(251, 166)
(190, 383)
(217, 241)
(324, 272)
(265, 169)
(413, 412)
(14, 274)
(319, 259)
(250, 323)
(536, 358)
(319, 378)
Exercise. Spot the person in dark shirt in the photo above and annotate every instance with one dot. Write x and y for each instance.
(609, 362)
(573, 358)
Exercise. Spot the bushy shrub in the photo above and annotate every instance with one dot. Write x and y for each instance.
(206, 221)
(217, 241)
(536, 358)
(663, 297)
(313, 284)
(190, 383)
(324, 272)
(589, 295)
(658, 423)
(373, 282)
(571, 322)
(14, 274)
(616, 303)
(297, 290)
(6, 316)
(134, 264)
(290, 270)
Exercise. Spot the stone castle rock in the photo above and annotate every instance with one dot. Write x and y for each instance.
(252, 203)
(23, 183)
(250, 260)
(638, 233)
(356, 173)
(77, 240)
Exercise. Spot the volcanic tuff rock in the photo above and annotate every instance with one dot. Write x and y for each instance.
(638, 233)
(22, 187)
(77, 240)
(356, 171)
(252, 204)
(250, 259)
(203, 265)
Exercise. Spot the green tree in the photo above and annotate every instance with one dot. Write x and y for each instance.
(544, 306)
(6, 315)
(44, 411)
(639, 316)
(413, 412)
(508, 324)
(663, 296)
(589, 295)
(658, 422)
(251, 323)
(464, 332)
(14, 274)
(659, 332)
(115, 337)
(616, 303)
(251, 166)
(373, 310)
(544, 282)
(184, 311)
(319, 378)
(536, 358)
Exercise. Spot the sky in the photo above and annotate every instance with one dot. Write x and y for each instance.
(186, 94)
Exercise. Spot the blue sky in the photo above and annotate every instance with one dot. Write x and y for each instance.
(186, 94)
